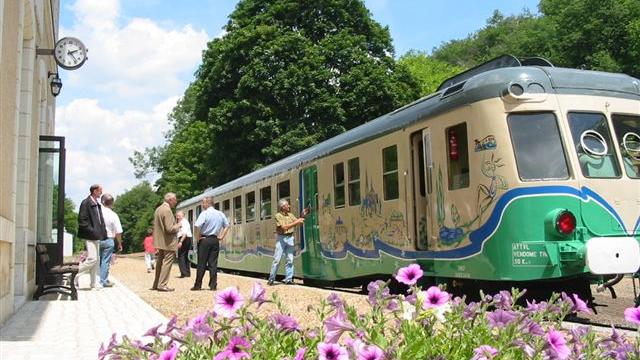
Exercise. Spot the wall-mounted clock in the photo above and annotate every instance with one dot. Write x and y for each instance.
(70, 53)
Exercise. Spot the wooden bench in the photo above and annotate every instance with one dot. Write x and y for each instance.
(67, 271)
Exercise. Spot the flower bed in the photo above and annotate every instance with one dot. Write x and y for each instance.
(425, 324)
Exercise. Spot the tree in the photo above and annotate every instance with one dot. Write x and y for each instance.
(70, 219)
(135, 207)
(596, 34)
(601, 34)
(524, 35)
(429, 71)
(286, 75)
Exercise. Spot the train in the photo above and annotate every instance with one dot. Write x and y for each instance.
(514, 173)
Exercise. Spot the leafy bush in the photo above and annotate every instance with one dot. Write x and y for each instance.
(421, 325)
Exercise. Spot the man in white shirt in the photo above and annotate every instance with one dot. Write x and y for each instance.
(114, 234)
(185, 238)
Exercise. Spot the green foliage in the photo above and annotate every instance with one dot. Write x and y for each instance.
(70, 219)
(595, 34)
(429, 71)
(286, 75)
(135, 208)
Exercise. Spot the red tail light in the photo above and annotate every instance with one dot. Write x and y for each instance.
(566, 223)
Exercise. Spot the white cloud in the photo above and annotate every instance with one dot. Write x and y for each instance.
(118, 101)
(99, 142)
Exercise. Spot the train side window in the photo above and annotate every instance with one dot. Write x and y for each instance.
(190, 218)
(537, 146)
(283, 191)
(250, 199)
(265, 203)
(627, 128)
(338, 184)
(354, 181)
(198, 210)
(390, 172)
(226, 208)
(592, 140)
(458, 156)
(237, 210)
(216, 206)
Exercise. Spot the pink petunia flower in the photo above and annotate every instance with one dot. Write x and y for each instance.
(484, 352)
(336, 325)
(409, 275)
(199, 327)
(300, 353)
(370, 352)
(258, 294)
(579, 305)
(328, 351)
(285, 323)
(235, 350)
(500, 318)
(228, 301)
(434, 297)
(556, 345)
(632, 314)
(170, 354)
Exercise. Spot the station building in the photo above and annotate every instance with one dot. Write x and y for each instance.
(29, 168)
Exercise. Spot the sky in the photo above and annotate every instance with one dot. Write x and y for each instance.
(143, 54)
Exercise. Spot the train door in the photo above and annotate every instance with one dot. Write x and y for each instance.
(310, 232)
(422, 184)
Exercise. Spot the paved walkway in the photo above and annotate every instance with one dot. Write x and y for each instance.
(60, 329)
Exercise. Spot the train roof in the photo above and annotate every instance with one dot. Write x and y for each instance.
(455, 92)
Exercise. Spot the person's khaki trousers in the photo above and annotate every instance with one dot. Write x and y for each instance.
(164, 261)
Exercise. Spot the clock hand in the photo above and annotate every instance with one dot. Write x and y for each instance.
(73, 56)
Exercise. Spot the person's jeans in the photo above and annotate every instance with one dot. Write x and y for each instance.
(148, 259)
(106, 251)
(284, 244)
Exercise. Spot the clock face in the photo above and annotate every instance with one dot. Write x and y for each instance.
(70, 53)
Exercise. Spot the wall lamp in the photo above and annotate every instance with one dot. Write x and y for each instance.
(56, 83)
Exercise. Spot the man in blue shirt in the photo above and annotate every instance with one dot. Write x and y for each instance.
(210, 229)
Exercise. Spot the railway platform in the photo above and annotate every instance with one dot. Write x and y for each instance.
(54, 328)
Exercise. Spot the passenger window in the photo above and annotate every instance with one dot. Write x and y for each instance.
(216, 206)
(390, 172)
(198, 210)
(265, 203)
(250, 199)
(283, 191)
(627, 128)
(354, 181)
(537, 146)
(592, 140)
(226, 208)
(457, 156)
(338, 184)
(237, 210)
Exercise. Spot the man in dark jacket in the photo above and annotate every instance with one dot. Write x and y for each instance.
(91, 229)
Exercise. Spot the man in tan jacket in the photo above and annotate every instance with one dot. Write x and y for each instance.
(165, 240)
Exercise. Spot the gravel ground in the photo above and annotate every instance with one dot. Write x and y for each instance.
(130, 270)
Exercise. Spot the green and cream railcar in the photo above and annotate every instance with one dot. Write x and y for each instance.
(512, 172)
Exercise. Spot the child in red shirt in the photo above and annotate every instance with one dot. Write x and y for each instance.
(149, 251)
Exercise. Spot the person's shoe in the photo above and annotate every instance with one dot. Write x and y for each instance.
(213, 288)
(107, 284)
(270, 282)
(196, 288)
(288, 282)
(166, 289)
(148, 271)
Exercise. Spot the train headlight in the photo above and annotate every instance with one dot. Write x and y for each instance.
(565, 223)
